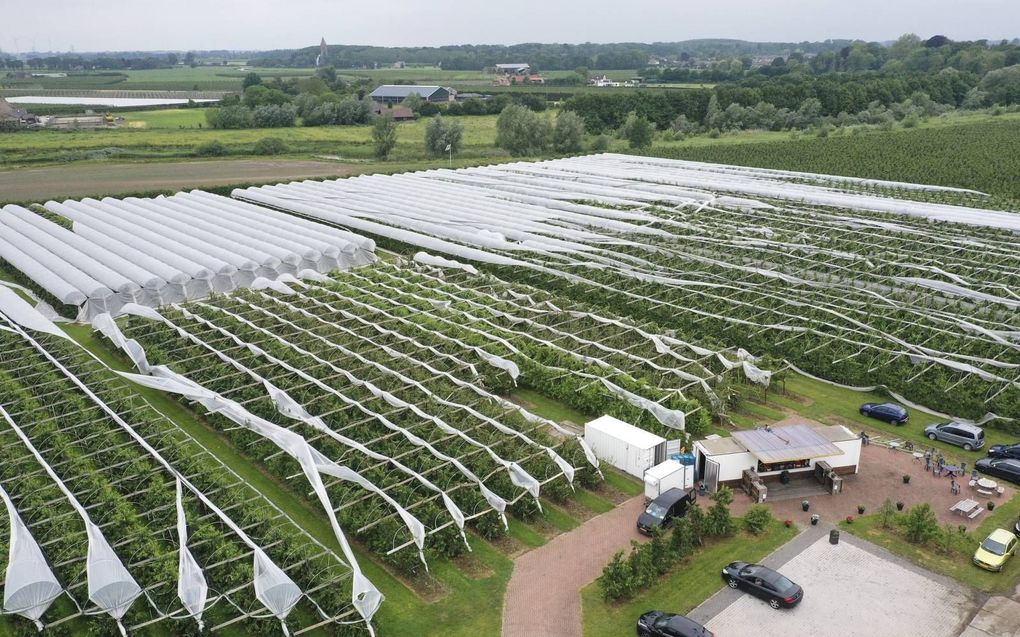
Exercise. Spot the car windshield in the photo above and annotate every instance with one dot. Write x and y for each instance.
(657, 511)
(994, 547)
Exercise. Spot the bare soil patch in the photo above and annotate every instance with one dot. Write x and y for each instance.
(84, 180)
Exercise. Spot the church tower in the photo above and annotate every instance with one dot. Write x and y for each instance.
(320, 59)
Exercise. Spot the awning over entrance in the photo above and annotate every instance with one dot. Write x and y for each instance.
(783, 444)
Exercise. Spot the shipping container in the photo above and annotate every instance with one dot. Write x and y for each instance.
(624, 446)
(667, 475)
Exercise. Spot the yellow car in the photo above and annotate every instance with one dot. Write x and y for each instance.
(995, 550)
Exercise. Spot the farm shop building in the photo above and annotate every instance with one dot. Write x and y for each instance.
(769, 451)
(393, 93)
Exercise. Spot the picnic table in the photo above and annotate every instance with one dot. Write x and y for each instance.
(966, 507)
(952, 469)
(986, 483)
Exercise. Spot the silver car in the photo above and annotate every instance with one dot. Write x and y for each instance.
(964, 435)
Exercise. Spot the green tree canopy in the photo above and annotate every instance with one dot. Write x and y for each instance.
(568, 134)
(522, 131)
(442, 133)
(384, 135)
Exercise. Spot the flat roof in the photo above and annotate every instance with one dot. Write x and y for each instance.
(404, 90)
(721, 446)
(625, 431)
(782, 444)
(836, 433)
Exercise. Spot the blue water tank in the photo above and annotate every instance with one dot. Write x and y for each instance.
(683, 458)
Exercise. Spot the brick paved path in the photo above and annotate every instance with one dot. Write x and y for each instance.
(543, 598)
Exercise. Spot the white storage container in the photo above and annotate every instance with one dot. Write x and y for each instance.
(624, 446)
(667, 475)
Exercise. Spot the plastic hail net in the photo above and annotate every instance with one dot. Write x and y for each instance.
(167, 249)
(29, 586)
(798, 257)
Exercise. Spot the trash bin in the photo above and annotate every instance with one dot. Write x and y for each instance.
(833, 536)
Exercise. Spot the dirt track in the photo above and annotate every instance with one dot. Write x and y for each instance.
(56, 182)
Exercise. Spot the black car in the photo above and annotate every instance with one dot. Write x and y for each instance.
(1005, 451)
(1005, 468)
(661, 511)
(656, 623)
(889, 412)
(763, 582)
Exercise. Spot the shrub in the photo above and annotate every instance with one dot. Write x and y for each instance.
(215, 148)
(384, 136)
(719, 522)
(269, 146)
(757, 519)
(659, 552)
(568, 134)
(274, 116)
(641, 566)
(440, 133)
(682, 541)
(637, 131)
(521, 131)
(887, 514)
(696, 519)
(921, 524)
(617, 581)
(600, 144)
(230, 117)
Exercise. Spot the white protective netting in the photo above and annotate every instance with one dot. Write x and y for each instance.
(111, 586)
(167, 249)
(30, 587)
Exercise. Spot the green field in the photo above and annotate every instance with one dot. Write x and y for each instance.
(160, 135)
(181, 78)
(975, 151)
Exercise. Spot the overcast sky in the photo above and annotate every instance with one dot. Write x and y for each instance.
(91, 25)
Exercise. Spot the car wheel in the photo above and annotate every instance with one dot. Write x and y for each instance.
(967, 447)
(864, 412)
(732, 583)
(931, 436)
(774, 603)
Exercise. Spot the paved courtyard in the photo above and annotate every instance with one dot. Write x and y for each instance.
(851, 589)
(880, 477)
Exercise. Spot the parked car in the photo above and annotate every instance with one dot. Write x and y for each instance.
(998, 547)
(661, 511)
(961, 434)
(889, 412)
(1005, 468)
(763, 582)
(1005, 451)
(656, 623)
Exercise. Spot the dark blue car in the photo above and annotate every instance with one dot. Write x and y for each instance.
(889, 412)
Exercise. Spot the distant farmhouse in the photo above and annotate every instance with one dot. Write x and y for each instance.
(13, 117)
(513, 69)
(398, 113)
(516, 73)
(395, 93)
